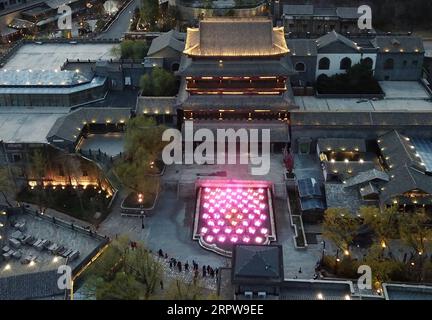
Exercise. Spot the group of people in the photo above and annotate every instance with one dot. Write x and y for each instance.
(176, 264)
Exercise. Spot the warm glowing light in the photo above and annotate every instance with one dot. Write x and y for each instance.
(234, 215)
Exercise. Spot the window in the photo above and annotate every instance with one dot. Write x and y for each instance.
(345, 63)
(300, 67)
(405, 63)
(367, 62)
(324, 64)
(415, 63)
(389, 64)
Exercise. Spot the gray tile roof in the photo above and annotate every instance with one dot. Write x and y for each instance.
(341, 144)
(329, 12)
(257, 262)
(406, 169)
(302, 9)
(395, 44)
(369, 189)
(69, 126)
(348, 170)
(366, 176)
(310, 289)
(405, 179)
(30, 286)
(332, 37)
(162, 105)
(398, 150)
(235, 37)
(312, 204)
(337, 196)
(347, 12)
(168, 39)
(302, 47)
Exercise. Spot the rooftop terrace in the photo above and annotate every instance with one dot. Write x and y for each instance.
(51, 56)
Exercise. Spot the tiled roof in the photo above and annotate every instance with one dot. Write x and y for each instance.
(69, 126)
(332, 37)
(30, 286)
(341, 144)
(222, 37)
(168, 39)
(366, 176)
(257, 262)
(302, 47)
(397, 44)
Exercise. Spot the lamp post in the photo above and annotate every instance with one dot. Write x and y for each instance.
(140, 201)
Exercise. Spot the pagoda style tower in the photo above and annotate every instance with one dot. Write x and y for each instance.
(241, 66)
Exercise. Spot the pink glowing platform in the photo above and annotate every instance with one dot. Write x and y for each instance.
(233, 212)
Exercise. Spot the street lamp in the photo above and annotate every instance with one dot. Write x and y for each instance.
(140, 201)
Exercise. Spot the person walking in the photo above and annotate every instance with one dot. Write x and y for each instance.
(179, 265)
(161, 285)
(186, 266)
(204, 271)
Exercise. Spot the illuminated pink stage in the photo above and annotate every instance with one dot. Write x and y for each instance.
(233, 212)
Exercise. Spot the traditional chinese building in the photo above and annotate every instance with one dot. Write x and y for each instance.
(235, 68)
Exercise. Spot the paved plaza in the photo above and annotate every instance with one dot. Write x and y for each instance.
(170, 229)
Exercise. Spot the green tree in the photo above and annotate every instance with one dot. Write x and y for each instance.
(123, 273)
(340, 226)
(158, 83)
(181, 290)
(123, 287)
(150, 12)
(145, 268)
(415, 232)
(143, 146)
(384, 223)
(382, 269)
